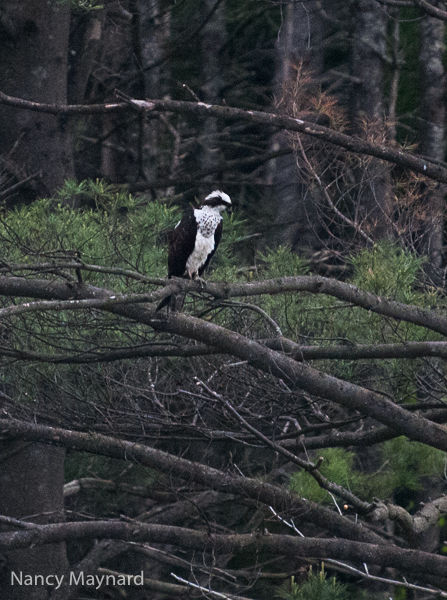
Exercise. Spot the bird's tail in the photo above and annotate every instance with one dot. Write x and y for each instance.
(167, 300)
(174, 302)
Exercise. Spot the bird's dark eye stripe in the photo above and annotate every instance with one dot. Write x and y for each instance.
(217, 202)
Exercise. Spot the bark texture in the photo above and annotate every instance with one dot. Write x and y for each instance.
(34, 66)
(368, 115)
(213, 38)
(299, 45)
(432, 139)
(31, 480)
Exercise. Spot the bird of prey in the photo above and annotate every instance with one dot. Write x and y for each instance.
(195, 239)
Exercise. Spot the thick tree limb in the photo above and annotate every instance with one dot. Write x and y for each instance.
(350, 143)
(416, 524)
(295, 374)
(431, 10)
(245, 487)
(342, 439)
(304, 377)
(358, 351)
(404, 350)
(384, 555)
(316, 284)
(99, 355)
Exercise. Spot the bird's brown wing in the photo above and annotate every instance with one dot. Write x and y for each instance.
(181, 244)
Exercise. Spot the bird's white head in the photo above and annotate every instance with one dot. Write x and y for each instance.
(218, 200)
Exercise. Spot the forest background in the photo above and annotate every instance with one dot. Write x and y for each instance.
(283, 434)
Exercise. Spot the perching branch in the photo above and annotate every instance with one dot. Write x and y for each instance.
(316, 284)
(294, 374)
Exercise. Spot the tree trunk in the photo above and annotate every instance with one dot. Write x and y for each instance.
(368, 115)
(430, 382)
(31, 484)
(154, 30)
(432, 139)
(119, 68)
(34, 67)
(300, 42)
(212, 40)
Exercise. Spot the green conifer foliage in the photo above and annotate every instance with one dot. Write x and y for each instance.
(317, 587)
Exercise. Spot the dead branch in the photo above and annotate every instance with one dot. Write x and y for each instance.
(387, 555)
(230, 483)
(351, 143)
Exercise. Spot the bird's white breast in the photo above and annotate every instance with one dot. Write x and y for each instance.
(207, 220)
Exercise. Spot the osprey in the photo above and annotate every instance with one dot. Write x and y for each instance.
(194, 241)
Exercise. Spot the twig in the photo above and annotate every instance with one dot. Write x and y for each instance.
(254, 308)
(350, 143)
(291, 524)
(207, 590)
(323, 188)
(193, 94)
(14, 187)
(312, 469)
(367, 575)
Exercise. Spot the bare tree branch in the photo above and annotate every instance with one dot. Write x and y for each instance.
(367, 575)
(431, 10)
(350, 143)
(229, 483)
(425, 518)
(387, 555)
(101, 355)
(358, 351)
(312, 469)
(46, 290)
(302, 376)
(62, 109)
